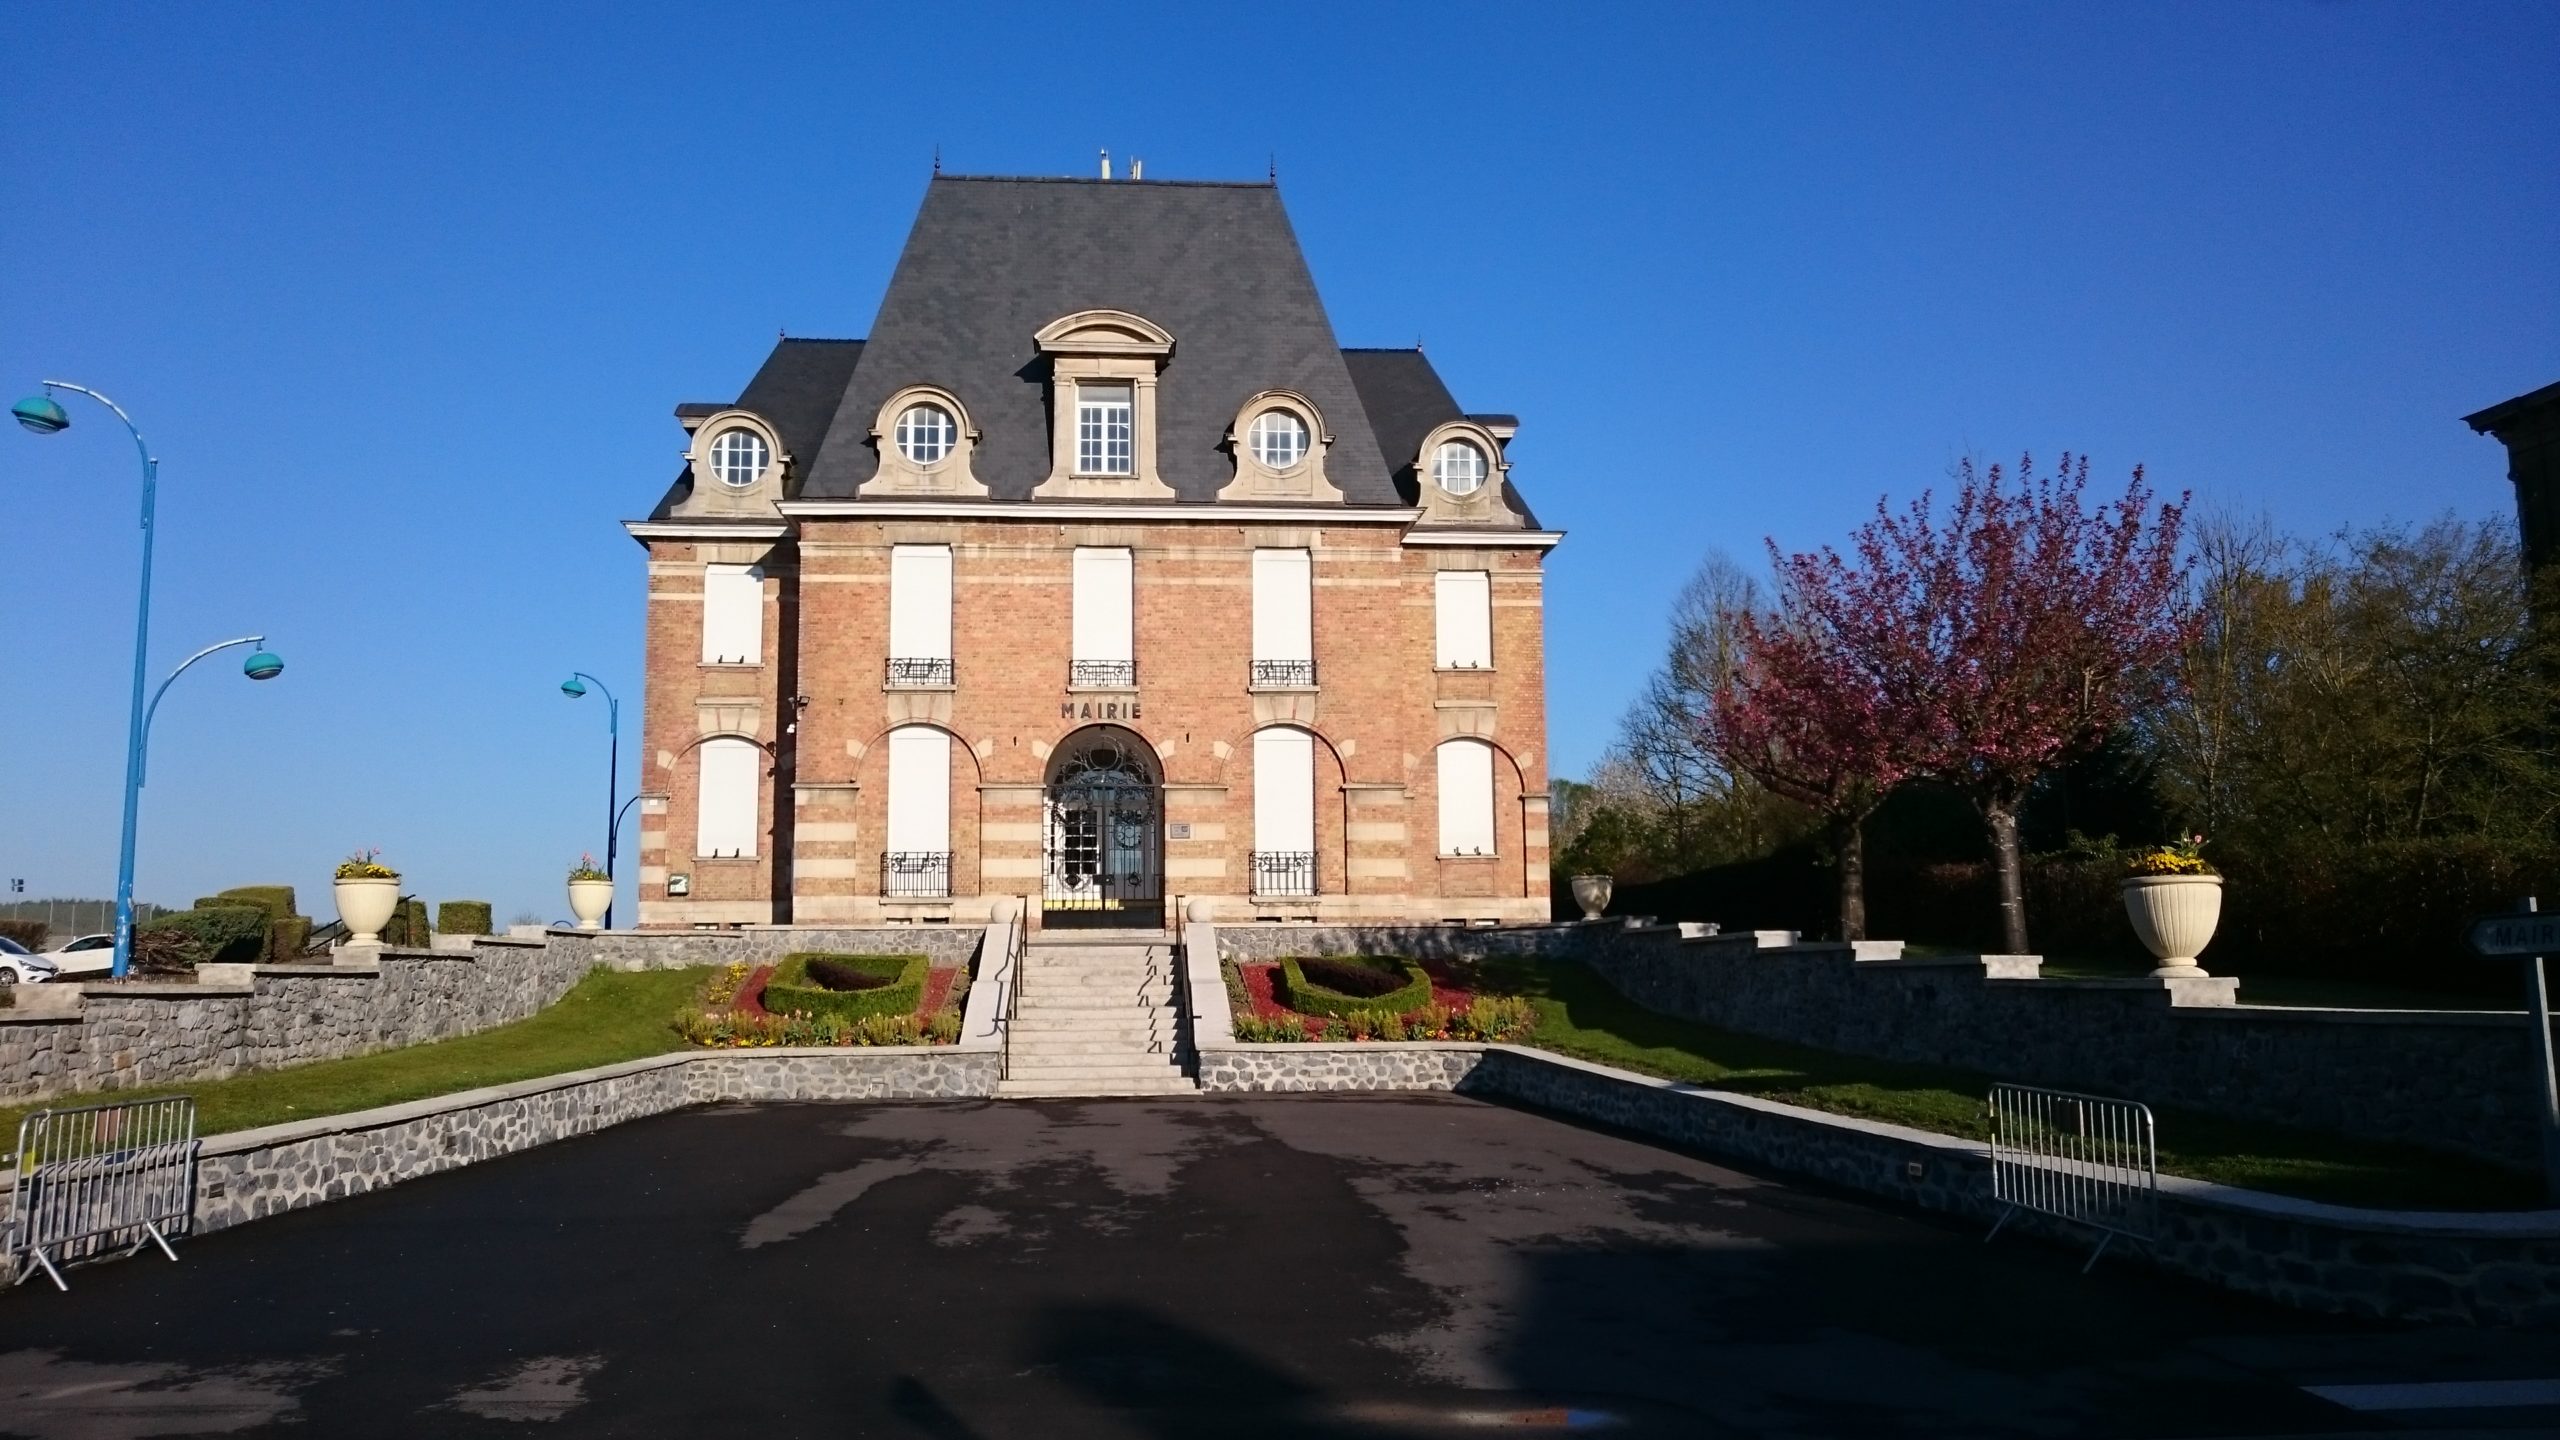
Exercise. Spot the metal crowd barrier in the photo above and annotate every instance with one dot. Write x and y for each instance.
(2080, 1158)
(96, 1177)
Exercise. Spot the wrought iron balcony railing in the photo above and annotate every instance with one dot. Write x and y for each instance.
(916, 874)
(920, 670)
(1287, 674)
(1103, 674)
(1284, 872)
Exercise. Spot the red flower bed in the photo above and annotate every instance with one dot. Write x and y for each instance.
(750, 997)
(1262, 984)
(937, 989)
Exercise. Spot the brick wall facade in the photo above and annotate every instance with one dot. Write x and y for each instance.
(1378, 712)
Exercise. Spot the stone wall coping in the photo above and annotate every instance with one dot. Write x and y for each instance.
(168, 990)
(1922, 962)
(65, 1015)
(353, 972)
(2340, 1015)
(519, 942)
(356, 1121)
(1345, 1047)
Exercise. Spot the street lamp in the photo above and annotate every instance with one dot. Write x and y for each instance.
(262, 664)
(574, 687)
(43, 415)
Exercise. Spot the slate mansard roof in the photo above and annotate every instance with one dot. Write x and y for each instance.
(992, 260)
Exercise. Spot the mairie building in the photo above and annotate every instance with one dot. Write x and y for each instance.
(1102, 576)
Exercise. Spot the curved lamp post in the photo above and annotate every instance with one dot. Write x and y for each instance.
(575, 687)
(43, 415)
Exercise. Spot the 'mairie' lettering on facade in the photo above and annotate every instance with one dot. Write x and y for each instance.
(1098, 710)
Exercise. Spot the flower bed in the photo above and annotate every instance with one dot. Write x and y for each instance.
(1460, 1006)
(742, 1007)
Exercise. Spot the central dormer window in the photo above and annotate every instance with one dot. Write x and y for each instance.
(1106, 429)
(738, 457)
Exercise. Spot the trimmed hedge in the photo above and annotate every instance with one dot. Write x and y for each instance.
(463, 917)
(223, 934)
(793, 990)
(407, 927)
(30, 933)
(278, 899)
(1395, 984)
(287, 939)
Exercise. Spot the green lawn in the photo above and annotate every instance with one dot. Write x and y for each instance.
(611, 1015)
(1580, 1015)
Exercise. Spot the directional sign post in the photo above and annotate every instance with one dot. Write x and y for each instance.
(2532, 935)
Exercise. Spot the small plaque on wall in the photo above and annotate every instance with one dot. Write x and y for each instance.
(679, 884)
(1177, 830)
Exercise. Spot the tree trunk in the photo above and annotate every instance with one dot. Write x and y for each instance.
(2003, 822)
(1849, 851)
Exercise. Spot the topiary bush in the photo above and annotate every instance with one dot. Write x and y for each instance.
(407, 927)
(829, 973)
(288, 938)
(463, 917)
(31, 933)
(223, 934)
(164, 953)
(794, 990)
(278, 899)
(1339, 985)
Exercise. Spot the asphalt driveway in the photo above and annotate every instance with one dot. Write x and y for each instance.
(1370, 1266)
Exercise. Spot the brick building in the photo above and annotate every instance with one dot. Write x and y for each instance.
(1101, 575)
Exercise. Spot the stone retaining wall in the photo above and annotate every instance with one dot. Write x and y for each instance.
(2413, 1266)
(260, 1017)
(254, 1173)
(2455, 1080)
(1401, 1066)
(233, 1018)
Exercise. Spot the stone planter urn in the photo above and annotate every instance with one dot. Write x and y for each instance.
(2174, 915)
(365, 906)
(588, 900)
(1592, 893)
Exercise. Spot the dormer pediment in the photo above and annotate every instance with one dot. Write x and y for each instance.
(1104, 332)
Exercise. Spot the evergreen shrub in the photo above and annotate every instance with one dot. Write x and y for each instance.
(1338, 985)
(798, 985)
(223, 934)
(463, 917)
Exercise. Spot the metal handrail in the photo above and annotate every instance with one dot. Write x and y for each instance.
(1014, 959)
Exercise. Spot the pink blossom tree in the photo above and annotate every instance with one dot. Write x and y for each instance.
(1806, 710)
(2013, 634)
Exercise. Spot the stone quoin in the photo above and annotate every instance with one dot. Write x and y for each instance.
(1100, 574)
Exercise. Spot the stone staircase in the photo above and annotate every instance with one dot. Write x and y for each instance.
(1097, 1016)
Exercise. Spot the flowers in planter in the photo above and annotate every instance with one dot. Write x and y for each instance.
(366, 864)
(587, 869)
(2178, 857)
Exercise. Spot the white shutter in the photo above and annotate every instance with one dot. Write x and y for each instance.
(1466, 798)
(1284, 791)
(1283, 618)
(920, 602)
(1102, 605)
(919, 789)
(732, 773)
(1462, 602)
(732, 614)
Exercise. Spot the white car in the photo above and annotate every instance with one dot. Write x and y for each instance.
(19, 966)
(88, 955)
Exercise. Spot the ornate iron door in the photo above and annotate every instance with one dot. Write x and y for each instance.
(1104, 864)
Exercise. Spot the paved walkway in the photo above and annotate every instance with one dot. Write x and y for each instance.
(1388, 1266)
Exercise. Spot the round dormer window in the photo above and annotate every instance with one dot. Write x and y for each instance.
(739, 457)
(926, 434)
(1458, 467)
(1279, 439)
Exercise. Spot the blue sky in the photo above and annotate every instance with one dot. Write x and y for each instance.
(403, 297)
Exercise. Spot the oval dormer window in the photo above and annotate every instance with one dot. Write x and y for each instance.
(1458, 468)
(739, 457)
(1279, 439)
(926, 434)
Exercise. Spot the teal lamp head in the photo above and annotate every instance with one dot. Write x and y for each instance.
(263, 665)
(40, 414)
(573, 687)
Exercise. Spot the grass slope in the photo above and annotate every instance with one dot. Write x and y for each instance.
(1580, 1015)
(610, 1015)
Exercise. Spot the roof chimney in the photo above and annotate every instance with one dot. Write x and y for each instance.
(1137, 168)
(1106, 164)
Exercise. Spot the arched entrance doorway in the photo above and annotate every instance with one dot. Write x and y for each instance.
(1103, 833)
